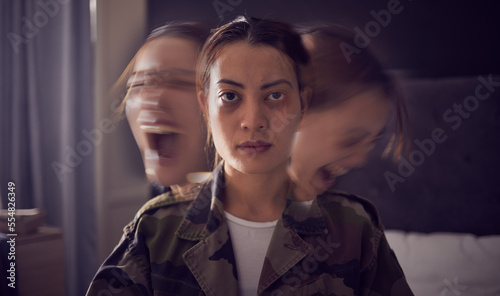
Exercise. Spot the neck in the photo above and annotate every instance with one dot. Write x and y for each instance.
(256, 197)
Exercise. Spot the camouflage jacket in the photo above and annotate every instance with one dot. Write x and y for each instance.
(179, 244)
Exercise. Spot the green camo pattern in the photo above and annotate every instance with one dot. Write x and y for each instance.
(179, 244)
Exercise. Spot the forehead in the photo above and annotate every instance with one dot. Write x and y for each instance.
(167, 52)
(249, 64)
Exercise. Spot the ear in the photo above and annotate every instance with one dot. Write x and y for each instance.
(305, 99)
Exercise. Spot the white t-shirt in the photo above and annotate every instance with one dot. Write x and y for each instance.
(250, 242)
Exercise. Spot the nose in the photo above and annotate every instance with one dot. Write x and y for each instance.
(254, 116)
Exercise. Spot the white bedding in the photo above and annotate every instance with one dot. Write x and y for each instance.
(448, 264)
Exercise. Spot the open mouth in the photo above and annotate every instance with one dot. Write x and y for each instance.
(163, 141)
(327, 177)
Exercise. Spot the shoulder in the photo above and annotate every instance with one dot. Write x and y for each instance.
(354, 220)
(172, 204)
(343, 205)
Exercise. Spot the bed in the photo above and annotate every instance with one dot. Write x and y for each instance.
(441, 207)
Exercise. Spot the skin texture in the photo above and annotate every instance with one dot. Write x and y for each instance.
(254, 108)
(332, 141)
(163, 101)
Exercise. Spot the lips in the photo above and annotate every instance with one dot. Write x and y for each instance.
(328, 178)
(155, 121)
(253, 147)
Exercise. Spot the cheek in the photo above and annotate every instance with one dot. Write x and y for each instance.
(286, 118)
(305, 150)
(216, 123)
(316, 146)
(132, 113)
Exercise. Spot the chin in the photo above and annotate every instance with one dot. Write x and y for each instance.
(253, 167)
(169, 177)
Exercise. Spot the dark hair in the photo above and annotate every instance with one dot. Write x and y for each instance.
(343, 72)
(255, 31)
(188, 30)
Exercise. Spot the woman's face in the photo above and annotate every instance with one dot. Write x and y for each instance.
(330, 142)
(254, 107)
(163, 111)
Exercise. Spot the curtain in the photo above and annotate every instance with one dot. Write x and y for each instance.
(46, 107)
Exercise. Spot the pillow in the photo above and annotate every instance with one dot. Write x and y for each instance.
(448, 264)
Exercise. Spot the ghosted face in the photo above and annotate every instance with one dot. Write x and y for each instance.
(332, 141)
(254, 107)
(163, 111)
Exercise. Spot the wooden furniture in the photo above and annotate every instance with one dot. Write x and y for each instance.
(40, 262)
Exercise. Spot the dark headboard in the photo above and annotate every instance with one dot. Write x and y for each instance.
(455, 186)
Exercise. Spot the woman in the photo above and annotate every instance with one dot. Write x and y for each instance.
(348, 113)
(238, 234)
(162, 108)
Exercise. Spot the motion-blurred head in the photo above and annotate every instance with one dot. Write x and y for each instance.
(351, 105)
(161, 104)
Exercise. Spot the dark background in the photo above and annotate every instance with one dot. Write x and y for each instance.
(428, 38)
(437, 50)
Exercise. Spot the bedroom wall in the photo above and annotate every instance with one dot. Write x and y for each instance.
(429, 38)
(448, 181)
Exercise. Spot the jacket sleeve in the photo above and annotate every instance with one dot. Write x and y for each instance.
(384, 276)
(125, 271)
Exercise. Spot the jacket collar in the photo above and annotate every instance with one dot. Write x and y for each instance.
(206, 212)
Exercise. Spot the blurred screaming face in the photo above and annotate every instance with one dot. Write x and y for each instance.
(336, 139)
(163, 111)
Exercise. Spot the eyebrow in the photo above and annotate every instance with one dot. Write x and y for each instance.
(274, 83)
(265, 86)
(231, 82)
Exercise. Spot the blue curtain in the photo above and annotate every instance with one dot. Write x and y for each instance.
(46, 104)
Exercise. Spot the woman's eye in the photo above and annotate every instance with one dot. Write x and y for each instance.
(349, 143)
(275, 96)
(134, 83)
(229, 97)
